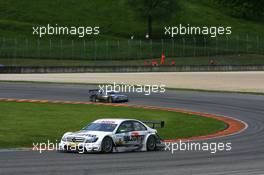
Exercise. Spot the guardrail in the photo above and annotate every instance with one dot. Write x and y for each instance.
(82, 69)
(94, 50)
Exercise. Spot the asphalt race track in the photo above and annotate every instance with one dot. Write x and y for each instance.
(246, 156)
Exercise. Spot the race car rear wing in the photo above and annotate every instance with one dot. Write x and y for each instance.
(153, 123)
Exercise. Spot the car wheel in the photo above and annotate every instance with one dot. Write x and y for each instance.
(107, 145)
(93, 99)
(82, 150)
(110, 100)
(151, 143)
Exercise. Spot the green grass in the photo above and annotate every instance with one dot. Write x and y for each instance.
(25, 123)
(115, 18)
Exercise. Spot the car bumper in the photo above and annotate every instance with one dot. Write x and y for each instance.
(79, 147)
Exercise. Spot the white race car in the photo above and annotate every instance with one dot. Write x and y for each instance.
(106, 135)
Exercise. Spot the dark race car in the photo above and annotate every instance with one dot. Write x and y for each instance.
(110, 97)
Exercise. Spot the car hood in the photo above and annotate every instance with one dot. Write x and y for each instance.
(87, 134)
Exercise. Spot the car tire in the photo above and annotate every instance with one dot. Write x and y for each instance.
(107, 145)
(82, 151)
(93, 99)
(151, 143)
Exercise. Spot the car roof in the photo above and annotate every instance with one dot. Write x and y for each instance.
(112, 120)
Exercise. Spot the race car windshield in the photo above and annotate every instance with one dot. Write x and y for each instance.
(105, 127)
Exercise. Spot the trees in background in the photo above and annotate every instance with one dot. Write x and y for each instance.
(153, 9)
(248, 9)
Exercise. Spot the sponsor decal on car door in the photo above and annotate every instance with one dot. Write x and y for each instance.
(130, 133)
